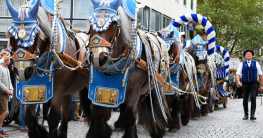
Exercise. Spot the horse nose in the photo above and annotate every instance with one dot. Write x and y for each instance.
(103, 58)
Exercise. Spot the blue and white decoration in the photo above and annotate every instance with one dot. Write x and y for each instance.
(168, 38)
(221, 91)
(211, 34)
(36, 81)
(199, 44)
(172, 28)
(226, 55)
(30, 28)
(129, 7)
(191, 26)
(105, 12)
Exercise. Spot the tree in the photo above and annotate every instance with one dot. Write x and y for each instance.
(238, 23)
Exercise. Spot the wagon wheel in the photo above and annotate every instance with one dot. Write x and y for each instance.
(225, 103)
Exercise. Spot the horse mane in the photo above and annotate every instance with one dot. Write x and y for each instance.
(125, 25)
(43, 22)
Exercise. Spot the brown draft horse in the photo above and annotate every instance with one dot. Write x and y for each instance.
(178, 103)
(204, 90)
(137, 87)
(66, 82)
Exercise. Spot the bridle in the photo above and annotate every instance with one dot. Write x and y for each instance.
(22, 58)
(99, 45)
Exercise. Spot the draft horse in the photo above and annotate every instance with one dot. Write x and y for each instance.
(111, 35)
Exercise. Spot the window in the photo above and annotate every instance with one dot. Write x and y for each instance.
(158, 21)
(65, 8)
(166, 21)
(146, 17)
(184, 2)
(192, 4)
(4, 12)
(153, 18)
(82, 8)
(143, 17)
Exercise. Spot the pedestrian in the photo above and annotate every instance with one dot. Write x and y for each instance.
(249, 70)
(6, 89)
(232, 81)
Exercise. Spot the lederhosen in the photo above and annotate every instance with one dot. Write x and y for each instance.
(249, 85)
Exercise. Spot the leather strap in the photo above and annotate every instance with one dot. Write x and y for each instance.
(73, 63)
(97, 41)
(143, 65)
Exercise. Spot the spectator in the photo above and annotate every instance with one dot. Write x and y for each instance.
(6, 89)
(21, 118)
(37, 112)
(183, 42)
(71, 116)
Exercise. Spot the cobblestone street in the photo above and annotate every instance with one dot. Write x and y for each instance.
(221, 123)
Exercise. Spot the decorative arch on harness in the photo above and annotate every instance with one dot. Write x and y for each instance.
(211, 34)
(224, 52)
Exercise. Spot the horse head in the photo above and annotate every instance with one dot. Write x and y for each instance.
(171, 42)
(107, 24)
(24, 31)
(199, 53)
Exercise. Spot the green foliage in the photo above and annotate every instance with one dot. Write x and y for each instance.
(238, 23)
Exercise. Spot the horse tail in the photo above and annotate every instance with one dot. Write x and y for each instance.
(157, 128)
(85, 103)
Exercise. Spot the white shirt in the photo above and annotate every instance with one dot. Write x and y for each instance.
(1, 61)
(240, 67)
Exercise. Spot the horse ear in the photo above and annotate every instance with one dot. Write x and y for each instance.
(34, 11)
(12, 10)
(95, 2)
(117, 3)
(171, 34)
(160, 34)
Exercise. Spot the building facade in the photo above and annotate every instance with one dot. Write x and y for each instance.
(156, 15)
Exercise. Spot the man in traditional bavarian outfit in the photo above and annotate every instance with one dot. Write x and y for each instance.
(249, 70)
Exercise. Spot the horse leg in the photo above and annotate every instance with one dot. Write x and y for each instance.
(85, 103)
(175, 124)
(196, 112)
(53, 116)
(204, 108)
(63, 129)
(185, 114)
(119, 124)
(99, 127)
(35, 130)
(130, 123)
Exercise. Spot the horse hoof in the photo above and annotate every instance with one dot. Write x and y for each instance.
(204, 114)
(173, 130)
(194, 118)
(119, 129)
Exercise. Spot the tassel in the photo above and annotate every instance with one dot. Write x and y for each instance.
(31, 38)
(19, 42)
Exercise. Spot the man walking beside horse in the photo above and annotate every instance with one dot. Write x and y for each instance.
(249, 70)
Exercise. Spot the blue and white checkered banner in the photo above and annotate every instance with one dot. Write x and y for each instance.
(211, 34)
